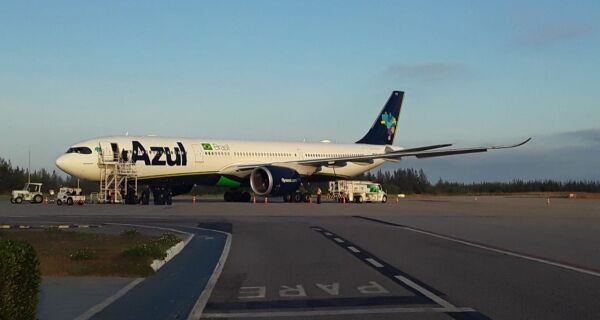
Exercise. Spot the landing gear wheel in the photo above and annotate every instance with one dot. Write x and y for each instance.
(18, 200)
(384, 199)
(287, 197)
(145, 198)
(70, 201)
(59, 202)
(228, 196)
(358, 199)
(38, 199)
(306, 197)
(297, 197)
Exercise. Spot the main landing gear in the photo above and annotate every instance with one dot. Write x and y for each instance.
(162, 196)
(235, 195)
(296, 197)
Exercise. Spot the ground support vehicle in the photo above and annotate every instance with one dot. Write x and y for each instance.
(356, 191)
(70, 196)
(32, 192)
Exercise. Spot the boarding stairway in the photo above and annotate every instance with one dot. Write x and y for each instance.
(118, 177)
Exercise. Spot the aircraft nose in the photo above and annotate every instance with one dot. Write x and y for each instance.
(62, 163)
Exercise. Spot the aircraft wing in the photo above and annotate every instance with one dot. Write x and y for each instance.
(419, 152)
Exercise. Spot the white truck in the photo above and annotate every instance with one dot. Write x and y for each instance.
(356, 191)
(70, 196)
(32, 192)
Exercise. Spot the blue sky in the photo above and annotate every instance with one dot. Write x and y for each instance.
(474, 72)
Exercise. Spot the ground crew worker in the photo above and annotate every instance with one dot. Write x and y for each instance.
(319, 195)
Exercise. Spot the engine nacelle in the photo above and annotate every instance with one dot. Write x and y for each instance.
(274, 181)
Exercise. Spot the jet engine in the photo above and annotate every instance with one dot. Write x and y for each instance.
(274, 181)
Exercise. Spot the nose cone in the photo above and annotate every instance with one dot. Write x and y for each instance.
(82, 166)
(62, 163)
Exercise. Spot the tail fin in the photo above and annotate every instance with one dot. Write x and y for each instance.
(384, 129)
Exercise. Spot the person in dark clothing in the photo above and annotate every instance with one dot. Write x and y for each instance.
(319, 195)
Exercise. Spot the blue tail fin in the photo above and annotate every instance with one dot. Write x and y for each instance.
(384, 129)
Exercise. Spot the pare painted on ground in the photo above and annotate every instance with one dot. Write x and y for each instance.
(299, 290)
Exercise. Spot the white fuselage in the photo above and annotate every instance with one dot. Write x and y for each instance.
(158, 157)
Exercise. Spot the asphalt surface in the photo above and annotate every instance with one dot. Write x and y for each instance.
(440, 258)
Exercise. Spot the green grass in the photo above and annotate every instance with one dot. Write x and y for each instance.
(69, 253)
(155, 249)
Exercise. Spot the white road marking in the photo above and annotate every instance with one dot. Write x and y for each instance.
(332, 289)
(309, 313)
(328, 233)
(353, 249)
(374, 262)
(338, 240)
(509, 253)
(100, 306)
(212, 281)
(425, 292)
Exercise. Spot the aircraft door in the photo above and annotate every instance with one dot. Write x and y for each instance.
(106, 151)
(300, 154)
(198, 153)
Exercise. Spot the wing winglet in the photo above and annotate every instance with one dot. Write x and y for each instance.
(511, 146)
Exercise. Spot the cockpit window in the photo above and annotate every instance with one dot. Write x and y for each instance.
(82, 150)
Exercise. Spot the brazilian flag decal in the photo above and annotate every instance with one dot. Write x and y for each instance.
(207, 146)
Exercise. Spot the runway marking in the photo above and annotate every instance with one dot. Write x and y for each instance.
(327, 233)
(200, 304)
(312, 304)
(353, 249)
(338, 240)
(309, 313)
(374, 262)
(413, 285)
(100, 306)
(490, 248)
(387, 269)
(425, 292)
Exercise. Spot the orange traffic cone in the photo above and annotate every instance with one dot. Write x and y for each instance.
(266, 200)
(254, 200)
(194, 200)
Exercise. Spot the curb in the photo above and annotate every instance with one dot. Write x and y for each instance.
(60, 226)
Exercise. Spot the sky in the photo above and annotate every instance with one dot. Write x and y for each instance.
(474, 72)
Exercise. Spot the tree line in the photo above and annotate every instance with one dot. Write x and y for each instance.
(411, 181)
(407, 181)
(12, 178)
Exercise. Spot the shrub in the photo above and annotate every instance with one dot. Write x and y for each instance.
(145, 250)
(130, 233)
(168, 240)
(155, 249)
(19, 280)
(82, 254)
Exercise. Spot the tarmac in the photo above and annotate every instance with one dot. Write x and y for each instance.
(435, 258)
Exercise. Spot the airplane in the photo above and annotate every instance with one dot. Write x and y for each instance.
(172, 166)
